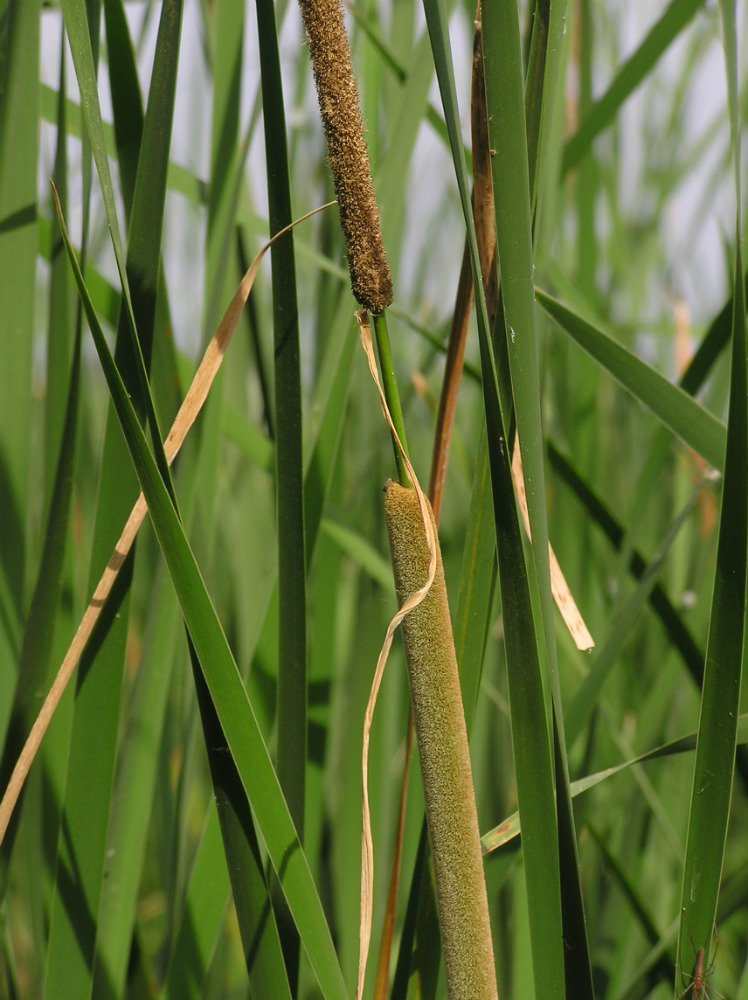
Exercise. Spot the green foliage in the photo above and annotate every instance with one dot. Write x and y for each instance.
(191, 824)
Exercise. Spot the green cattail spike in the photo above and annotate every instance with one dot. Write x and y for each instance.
(444, 757)
(371, 282)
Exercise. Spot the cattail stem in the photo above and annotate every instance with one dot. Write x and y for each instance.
(444, 757)
(346, 148)
(391, 394)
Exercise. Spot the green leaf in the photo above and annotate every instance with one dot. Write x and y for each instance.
(510, 827)
(127, 106)
(87, 809)
(720, 699)
(18, 171)
(673, 407)
(63, 389)
(507, 130)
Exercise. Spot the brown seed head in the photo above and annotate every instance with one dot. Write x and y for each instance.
(371, 282)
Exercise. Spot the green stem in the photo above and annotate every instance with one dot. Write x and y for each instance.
(389, 384)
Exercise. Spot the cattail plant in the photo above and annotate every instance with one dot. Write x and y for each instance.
(611, 151)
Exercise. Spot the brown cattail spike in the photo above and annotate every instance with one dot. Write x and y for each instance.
(346, 147)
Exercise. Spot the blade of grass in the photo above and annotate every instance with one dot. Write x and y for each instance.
(268, 973)
(37, 644)
(82, 846)
(61, 341)
(138, 759)
(227, 30)
(18, 159)
(542, 104)
(292, 675)
(534, 90)
(720, 701)
(508, 138)
(512, 184)
(82, 50)
(127, 107)
(82, 26)
(60, 428)
(673, 407)
(291, 698)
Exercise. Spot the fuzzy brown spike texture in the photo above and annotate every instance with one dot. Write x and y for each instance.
(371, 282)
(444, 757)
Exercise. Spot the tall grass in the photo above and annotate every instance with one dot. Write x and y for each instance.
(191, 823)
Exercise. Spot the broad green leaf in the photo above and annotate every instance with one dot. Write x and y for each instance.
(673, 407)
